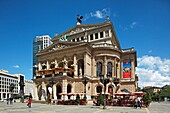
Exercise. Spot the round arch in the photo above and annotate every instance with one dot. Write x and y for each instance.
(39, 91)
(80, 67)
(58, 91)
(98, 68)
(98, 89)
(69, 90)
(69, 64)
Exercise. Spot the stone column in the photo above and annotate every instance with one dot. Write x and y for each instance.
(39, 66)
(121, 69)
(45, 89)
(64, 90)
(115, 67)
(93, 67)
(75, 65)
(88, 38)
(93, 36)
(48, 66)
(85, 63)
(35, 91)
(105, 66)
(104, 34)
(54, 91)
(110, 34)
(99, 35)
(85, 37)
(118, 69)
(56, 64)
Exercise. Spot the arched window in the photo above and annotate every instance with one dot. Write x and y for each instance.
(109, 68)
(110, 89)
(98, 89)
(80, 67)
(58, 91)
(99, 69)
(69, 90)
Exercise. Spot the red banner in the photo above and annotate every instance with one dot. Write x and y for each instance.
(127, 69)
(126, 74)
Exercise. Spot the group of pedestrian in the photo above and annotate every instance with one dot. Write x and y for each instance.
(9, 100)
(138, 103)
(29, 101)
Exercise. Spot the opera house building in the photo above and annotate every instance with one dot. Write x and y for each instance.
(86, 59)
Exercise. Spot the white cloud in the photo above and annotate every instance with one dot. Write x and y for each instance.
(153, 71)
(123, 28)
(98, 14)
(16, 66)
(150, 51)
(133, 24)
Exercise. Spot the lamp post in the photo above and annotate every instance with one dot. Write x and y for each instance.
(104, 81)
(85, 80)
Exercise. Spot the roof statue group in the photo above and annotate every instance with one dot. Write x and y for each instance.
(79, 18)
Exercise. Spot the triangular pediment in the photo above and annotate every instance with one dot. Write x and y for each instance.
(65, 40)
(77, 29)
(59, 46)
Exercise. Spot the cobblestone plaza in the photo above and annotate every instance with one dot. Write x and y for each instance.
(44, 108)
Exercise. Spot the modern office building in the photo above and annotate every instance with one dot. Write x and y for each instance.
(6, 80)
(39, 43)
(77, 59)
(29, 88)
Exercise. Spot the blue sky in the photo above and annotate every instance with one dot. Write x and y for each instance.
(142, 24)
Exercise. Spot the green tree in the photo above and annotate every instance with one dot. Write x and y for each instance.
(147, 99)
(78, 98)
(165, 92)
(48, 98)
(100, 99)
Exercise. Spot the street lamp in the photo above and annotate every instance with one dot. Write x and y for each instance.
(104, 81)
(85, 80)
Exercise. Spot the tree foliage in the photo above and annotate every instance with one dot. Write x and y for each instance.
(78, 98)
(165, 92)
(147, 98)
(100, 99)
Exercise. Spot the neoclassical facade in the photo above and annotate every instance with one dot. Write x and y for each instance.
(85, 51)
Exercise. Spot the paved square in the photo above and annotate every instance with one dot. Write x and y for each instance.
(45, 108)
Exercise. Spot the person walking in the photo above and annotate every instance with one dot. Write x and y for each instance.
(11, 99)
(29, 102)
(139, 102)
(136, 103)
(7, 100)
